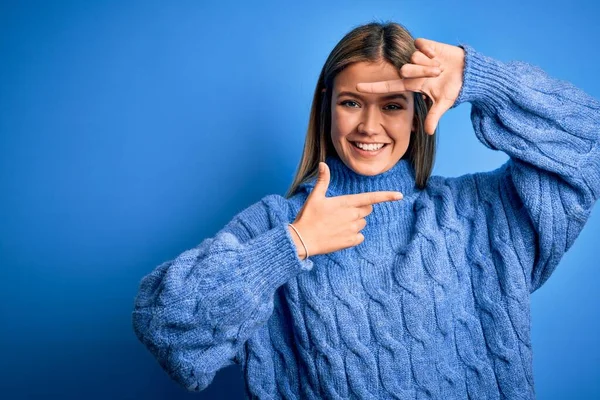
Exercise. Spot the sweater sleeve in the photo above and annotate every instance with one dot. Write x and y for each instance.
(550, 130)
(195, 312)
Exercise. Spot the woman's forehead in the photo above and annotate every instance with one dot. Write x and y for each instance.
(365, 72)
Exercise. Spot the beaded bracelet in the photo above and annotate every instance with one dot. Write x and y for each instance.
(303, 244)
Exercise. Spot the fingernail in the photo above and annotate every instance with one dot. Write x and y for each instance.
(399, 196)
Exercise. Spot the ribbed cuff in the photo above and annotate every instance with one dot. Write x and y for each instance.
(275, 259)
(486, 81)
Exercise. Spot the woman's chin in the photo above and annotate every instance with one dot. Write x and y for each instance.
(368, 168)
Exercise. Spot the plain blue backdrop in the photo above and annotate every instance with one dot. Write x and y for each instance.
(131, 131)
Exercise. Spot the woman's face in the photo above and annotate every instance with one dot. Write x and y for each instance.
(370, 119)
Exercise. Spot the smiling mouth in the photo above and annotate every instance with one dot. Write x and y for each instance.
(354, 144)
(367, 154)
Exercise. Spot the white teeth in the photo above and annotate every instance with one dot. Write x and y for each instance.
(369, 147)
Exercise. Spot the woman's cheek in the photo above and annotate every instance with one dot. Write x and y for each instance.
(344, 122)
(401, 124)
(336, 124)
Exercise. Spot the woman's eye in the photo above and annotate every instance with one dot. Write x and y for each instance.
(393, 107)
(353, 104)
(349, 103)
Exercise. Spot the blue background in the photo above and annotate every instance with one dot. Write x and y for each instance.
(131, 131)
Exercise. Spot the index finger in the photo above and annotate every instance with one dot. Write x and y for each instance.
(363, 199)
(396, 85)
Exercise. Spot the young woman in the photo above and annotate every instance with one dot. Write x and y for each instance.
(342, 290)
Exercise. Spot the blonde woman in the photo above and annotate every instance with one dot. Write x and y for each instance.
(371, 278)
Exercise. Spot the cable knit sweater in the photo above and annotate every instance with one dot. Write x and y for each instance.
(435, 303)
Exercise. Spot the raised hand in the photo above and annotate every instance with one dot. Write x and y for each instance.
(436, 70)
(328, 224)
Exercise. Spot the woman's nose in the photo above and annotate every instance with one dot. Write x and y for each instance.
(370, 122)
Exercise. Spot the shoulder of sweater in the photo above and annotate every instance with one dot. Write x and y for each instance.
(466, 181)
(277, 205)
(262, 215)
(468, 188)
(274, 205)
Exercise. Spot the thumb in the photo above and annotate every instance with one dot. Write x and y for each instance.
(322, 184)
(433, 117)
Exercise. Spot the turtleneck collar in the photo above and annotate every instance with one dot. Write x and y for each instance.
(344, 180)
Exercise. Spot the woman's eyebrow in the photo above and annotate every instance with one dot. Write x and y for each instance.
(392, 96)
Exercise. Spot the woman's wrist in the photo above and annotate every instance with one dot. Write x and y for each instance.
(300, 248)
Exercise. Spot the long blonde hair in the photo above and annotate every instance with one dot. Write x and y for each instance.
(371, 42)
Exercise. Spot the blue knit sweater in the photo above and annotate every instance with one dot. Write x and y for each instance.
(435, 303)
